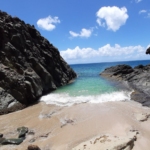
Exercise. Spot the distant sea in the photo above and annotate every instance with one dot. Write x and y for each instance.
(90, 87)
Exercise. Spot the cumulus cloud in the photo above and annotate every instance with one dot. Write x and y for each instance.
(107, 50)
(114, 17)
(142, 11)
(84, 33)
(48, 23)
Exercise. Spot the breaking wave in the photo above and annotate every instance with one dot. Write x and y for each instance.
(64, 99)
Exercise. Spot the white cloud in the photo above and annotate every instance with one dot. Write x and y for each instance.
(137, 1)
(48, 23)
(114, 17)
(73, 34)
(84, 33)
(107, 50)
(100, 23)
(142, 11)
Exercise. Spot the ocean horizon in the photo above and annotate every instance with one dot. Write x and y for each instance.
(108, 62)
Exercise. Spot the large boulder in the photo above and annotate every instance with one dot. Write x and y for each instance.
(30, 65)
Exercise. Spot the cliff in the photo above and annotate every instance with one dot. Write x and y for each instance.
(30, 65)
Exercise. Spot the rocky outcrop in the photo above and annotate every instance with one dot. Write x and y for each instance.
(138, 79)
(30, 65)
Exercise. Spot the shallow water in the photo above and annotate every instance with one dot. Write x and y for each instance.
(90, 86)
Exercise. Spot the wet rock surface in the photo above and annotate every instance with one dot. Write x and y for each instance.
(12, 141)
(15, 141)
(138, 78)
(1, 140)
(30, 65)
(22, 131)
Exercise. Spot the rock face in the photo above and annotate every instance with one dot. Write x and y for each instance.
(30, 66)
(138, 78)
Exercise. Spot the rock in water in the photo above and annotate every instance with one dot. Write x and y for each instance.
(30, 65)
(12, 141)
(22, 131)
(138, 78)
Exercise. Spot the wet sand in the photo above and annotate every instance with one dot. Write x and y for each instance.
(74, 127)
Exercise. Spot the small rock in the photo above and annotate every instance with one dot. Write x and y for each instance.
(141, 117)
(12, 141)
(1, 140)
(31, 133)
(44, 135)
(32, 140)
(69, 121)
(33, 147)
(22, 131)
(1, 135)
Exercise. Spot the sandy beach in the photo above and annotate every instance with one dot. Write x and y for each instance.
(77, 127)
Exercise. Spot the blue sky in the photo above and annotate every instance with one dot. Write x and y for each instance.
(87, 31)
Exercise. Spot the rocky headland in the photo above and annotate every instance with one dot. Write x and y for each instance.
(138, 78)
(30, 65)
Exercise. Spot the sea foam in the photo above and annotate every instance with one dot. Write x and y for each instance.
(64, 99)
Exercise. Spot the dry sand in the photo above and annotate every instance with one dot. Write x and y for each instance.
(111, 125)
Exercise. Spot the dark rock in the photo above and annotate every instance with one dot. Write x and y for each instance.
(32, 140)
(22, 131)
(33, 147)
(139, 67)
(31, 133)
(12, 141)
(1, 135)
(1, 140)
(30, 65)
(148, 51)
(138, 78)
(118, 70)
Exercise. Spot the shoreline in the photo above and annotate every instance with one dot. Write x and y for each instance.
(65, 128)
(137, 95)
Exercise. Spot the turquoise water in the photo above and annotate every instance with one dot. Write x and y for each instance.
(89, 86)
(88, 82)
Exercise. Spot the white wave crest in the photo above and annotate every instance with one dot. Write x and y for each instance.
(63, 99)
